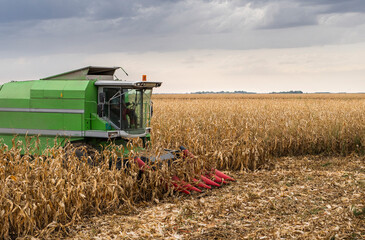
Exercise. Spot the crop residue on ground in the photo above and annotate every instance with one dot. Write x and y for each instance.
(294, 198)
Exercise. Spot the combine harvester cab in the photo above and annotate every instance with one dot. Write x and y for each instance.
(87, 107)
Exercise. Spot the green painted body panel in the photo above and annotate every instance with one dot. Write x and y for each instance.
(53, 89)
(57, 103)
(15, 94)
(24, 120)
(41, 94)
(91, 95)
(64, 105)
(34, 144)
(97, 123)
(49, 94)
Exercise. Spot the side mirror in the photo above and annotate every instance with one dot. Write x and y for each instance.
(100, 110)
(102, 98)
(151, 108)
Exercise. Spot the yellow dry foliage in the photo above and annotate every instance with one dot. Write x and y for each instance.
(42, 194)
(244, 131)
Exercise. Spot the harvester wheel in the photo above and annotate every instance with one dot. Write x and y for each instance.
(81, 150)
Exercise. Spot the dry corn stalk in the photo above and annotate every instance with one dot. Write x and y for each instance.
(42, 194)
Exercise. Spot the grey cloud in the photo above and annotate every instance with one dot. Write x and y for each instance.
(279, 15)
(336, 6)
(89, 26)
(296, 13)
(25, 10)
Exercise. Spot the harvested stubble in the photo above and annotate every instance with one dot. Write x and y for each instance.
(244, 132)
(310, 197)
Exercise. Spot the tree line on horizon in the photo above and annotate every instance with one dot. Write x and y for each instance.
(245, 92)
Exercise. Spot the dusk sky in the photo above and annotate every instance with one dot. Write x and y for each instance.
(191, 45)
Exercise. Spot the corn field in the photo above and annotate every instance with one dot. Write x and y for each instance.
(244, 132)
(41, 195)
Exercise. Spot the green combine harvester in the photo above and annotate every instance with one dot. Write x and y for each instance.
(86, 105)
(89, 108)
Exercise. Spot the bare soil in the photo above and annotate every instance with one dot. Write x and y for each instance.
(291, 198)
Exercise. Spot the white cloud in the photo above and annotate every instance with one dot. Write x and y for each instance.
(310, 69)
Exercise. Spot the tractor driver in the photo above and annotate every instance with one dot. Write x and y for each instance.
(128, 110)
(115, 111)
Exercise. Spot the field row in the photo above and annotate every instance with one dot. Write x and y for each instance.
(238, 133)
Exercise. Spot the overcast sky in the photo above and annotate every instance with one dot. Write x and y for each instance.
(191, 45)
